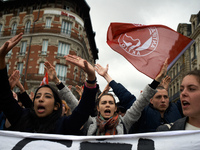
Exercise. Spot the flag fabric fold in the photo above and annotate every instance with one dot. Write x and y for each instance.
(146, 47)
(45, 80)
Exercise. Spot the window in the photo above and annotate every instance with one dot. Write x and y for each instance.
(48, 23)
(61, 71)
(9, 53)
(174, 72)
(66, 7)
(66, 27)
(7, 67)
(23, 48)
(41, 68)
(13, 28)
(20, 67)
(75, 73)
(177, 86)
(177, 68)
(194, 48)
(44, 47)
(18, 11)
(63, 49)
(27, 27)
(1, 26)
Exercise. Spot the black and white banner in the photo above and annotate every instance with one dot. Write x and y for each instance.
(178, 140)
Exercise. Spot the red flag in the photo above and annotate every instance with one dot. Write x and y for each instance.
(45, 80)
(146, 47)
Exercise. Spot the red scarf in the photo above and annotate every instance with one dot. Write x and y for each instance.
(107, 127)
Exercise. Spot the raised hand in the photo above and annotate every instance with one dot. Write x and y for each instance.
(162, 72)
(14, 79)
(101, 70)
(6, 47)
(165, 82)
(51, 72)
(79, 89)
(83, 64)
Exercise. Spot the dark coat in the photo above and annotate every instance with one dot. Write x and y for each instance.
(177, 125)
(64, 125)
(150, 118)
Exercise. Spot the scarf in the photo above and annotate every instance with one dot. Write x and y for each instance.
(107, 127)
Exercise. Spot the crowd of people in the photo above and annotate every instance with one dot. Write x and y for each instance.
(58, 111)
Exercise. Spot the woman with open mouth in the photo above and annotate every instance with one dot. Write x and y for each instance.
(108, 122)
(190, 102)
(45, 115)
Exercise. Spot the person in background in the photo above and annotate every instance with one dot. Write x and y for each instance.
(158, 112)
(190, 102)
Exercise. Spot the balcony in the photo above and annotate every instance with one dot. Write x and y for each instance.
(53, 30)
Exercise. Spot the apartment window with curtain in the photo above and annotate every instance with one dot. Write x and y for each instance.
(75, 73)
(194, 48)
(1, 29)
(14, 28)
(63, 49)
(48, 23)
(44, 47)
(20, 68)
(23, 48)
(41, 68)
(27, 26)
(66, 27)
(61, 71)
(7, 67)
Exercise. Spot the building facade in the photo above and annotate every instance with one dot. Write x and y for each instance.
(190, 60)
(52, 29)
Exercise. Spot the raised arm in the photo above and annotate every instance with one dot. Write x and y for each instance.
(133, 114)
(6, 47)
(8, 104)
(125, 97)
(103, 72)
(87, 103)
(64, 92)
(165, 82)
(14, 79)
(79, 90)
(86, 66)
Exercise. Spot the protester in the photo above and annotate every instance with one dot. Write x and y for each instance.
(108, 122)
(120, 108)
(45, 115)
(158, 112)
(151, 116)
(190, 102)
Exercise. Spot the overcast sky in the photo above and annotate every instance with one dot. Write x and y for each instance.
(148, 12)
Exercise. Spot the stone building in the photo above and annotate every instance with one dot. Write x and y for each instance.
(190, 60)
(52, 29)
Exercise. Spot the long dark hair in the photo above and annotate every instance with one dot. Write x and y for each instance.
(30, 122)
